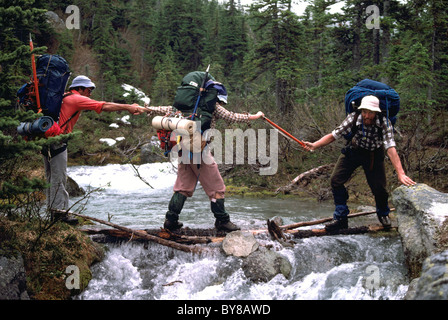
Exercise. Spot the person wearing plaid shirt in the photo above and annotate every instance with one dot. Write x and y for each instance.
(189, 174)
(371, 135)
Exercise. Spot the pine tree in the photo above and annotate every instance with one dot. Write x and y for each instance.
(16, 22)
(166, 81)
(276, 47)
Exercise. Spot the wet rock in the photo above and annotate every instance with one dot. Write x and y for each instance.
(263, 265)
(12, 279)
(433, 283)
(239, 244)
(150, 152)
(73, 189)
(421, 211)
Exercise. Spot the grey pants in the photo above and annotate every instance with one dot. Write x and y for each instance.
(56, 173)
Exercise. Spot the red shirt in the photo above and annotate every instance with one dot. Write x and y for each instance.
(73, 103)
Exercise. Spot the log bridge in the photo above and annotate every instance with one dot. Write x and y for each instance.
(193, 240)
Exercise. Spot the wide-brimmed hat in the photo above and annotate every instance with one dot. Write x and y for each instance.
(82, 81)
(371, 103)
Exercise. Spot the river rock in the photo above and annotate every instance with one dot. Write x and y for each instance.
(149, 152)
(263, 265)
(421, 211)
(73, 189)
(239, 243)
(12, 279)
(433, 283)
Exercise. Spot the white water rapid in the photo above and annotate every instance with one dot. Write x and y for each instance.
(355, 267)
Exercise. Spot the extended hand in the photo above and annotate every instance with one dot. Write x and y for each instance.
(404, 179)
(310, 146)
(135, 109)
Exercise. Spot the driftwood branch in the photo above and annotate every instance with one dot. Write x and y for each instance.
(144, 235)
(320, 221)
(305, 176)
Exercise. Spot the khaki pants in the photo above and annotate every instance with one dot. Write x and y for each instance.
(188, 175)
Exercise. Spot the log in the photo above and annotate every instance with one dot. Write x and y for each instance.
(303, 176)
(320, 221)
(143, 234)
(349, 231)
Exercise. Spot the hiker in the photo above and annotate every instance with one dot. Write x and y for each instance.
(55, 157)
(372, 136)
(207, 173)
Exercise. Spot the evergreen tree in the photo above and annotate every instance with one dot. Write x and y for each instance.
(276, 48)
(166, 81)
(17, 21)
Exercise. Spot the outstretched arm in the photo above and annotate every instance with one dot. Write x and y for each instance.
(322, 142)
(134, 109)
(395, 159)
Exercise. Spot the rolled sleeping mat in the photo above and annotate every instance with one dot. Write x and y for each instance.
(37, 127)
(171, 124)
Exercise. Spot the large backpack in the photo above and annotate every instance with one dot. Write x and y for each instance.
(187, 96)
(389, 98)
(52, 76)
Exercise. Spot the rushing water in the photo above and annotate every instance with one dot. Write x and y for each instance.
(334, 267)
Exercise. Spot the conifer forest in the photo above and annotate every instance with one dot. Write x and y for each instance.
(295, 67)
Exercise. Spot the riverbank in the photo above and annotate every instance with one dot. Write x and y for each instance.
(45, 258)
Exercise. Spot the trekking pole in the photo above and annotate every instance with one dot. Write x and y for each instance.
(287, 133)
(36, 84)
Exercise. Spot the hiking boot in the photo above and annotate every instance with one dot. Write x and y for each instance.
(337, 224)
(174, 208)
(385, 221)
(172, 225)
(226, 226)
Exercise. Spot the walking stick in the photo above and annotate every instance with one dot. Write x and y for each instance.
(287, 133)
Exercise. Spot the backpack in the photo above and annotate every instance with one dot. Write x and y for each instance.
(389, 98)
(52, 76)
(187, 95)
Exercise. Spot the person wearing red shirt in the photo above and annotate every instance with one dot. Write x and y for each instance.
(55, 157)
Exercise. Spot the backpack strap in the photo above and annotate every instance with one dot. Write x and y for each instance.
(73, 115)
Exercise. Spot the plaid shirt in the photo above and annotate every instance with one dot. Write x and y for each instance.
(367, 137)
(219, 113)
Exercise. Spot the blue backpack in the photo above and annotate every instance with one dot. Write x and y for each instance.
(52, 73)
(389, 98)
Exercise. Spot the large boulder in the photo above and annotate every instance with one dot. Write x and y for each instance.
(239, 244)
(421, 211)
(433, 283)
(12, 279)
(263, 265)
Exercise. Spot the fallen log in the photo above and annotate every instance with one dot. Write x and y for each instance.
(144, 235)
(300, 234)
(303, 176)
(320, 221)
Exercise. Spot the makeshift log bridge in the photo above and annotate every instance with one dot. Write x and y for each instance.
(186, 239)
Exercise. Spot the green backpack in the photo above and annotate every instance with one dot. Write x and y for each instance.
(187, 96)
